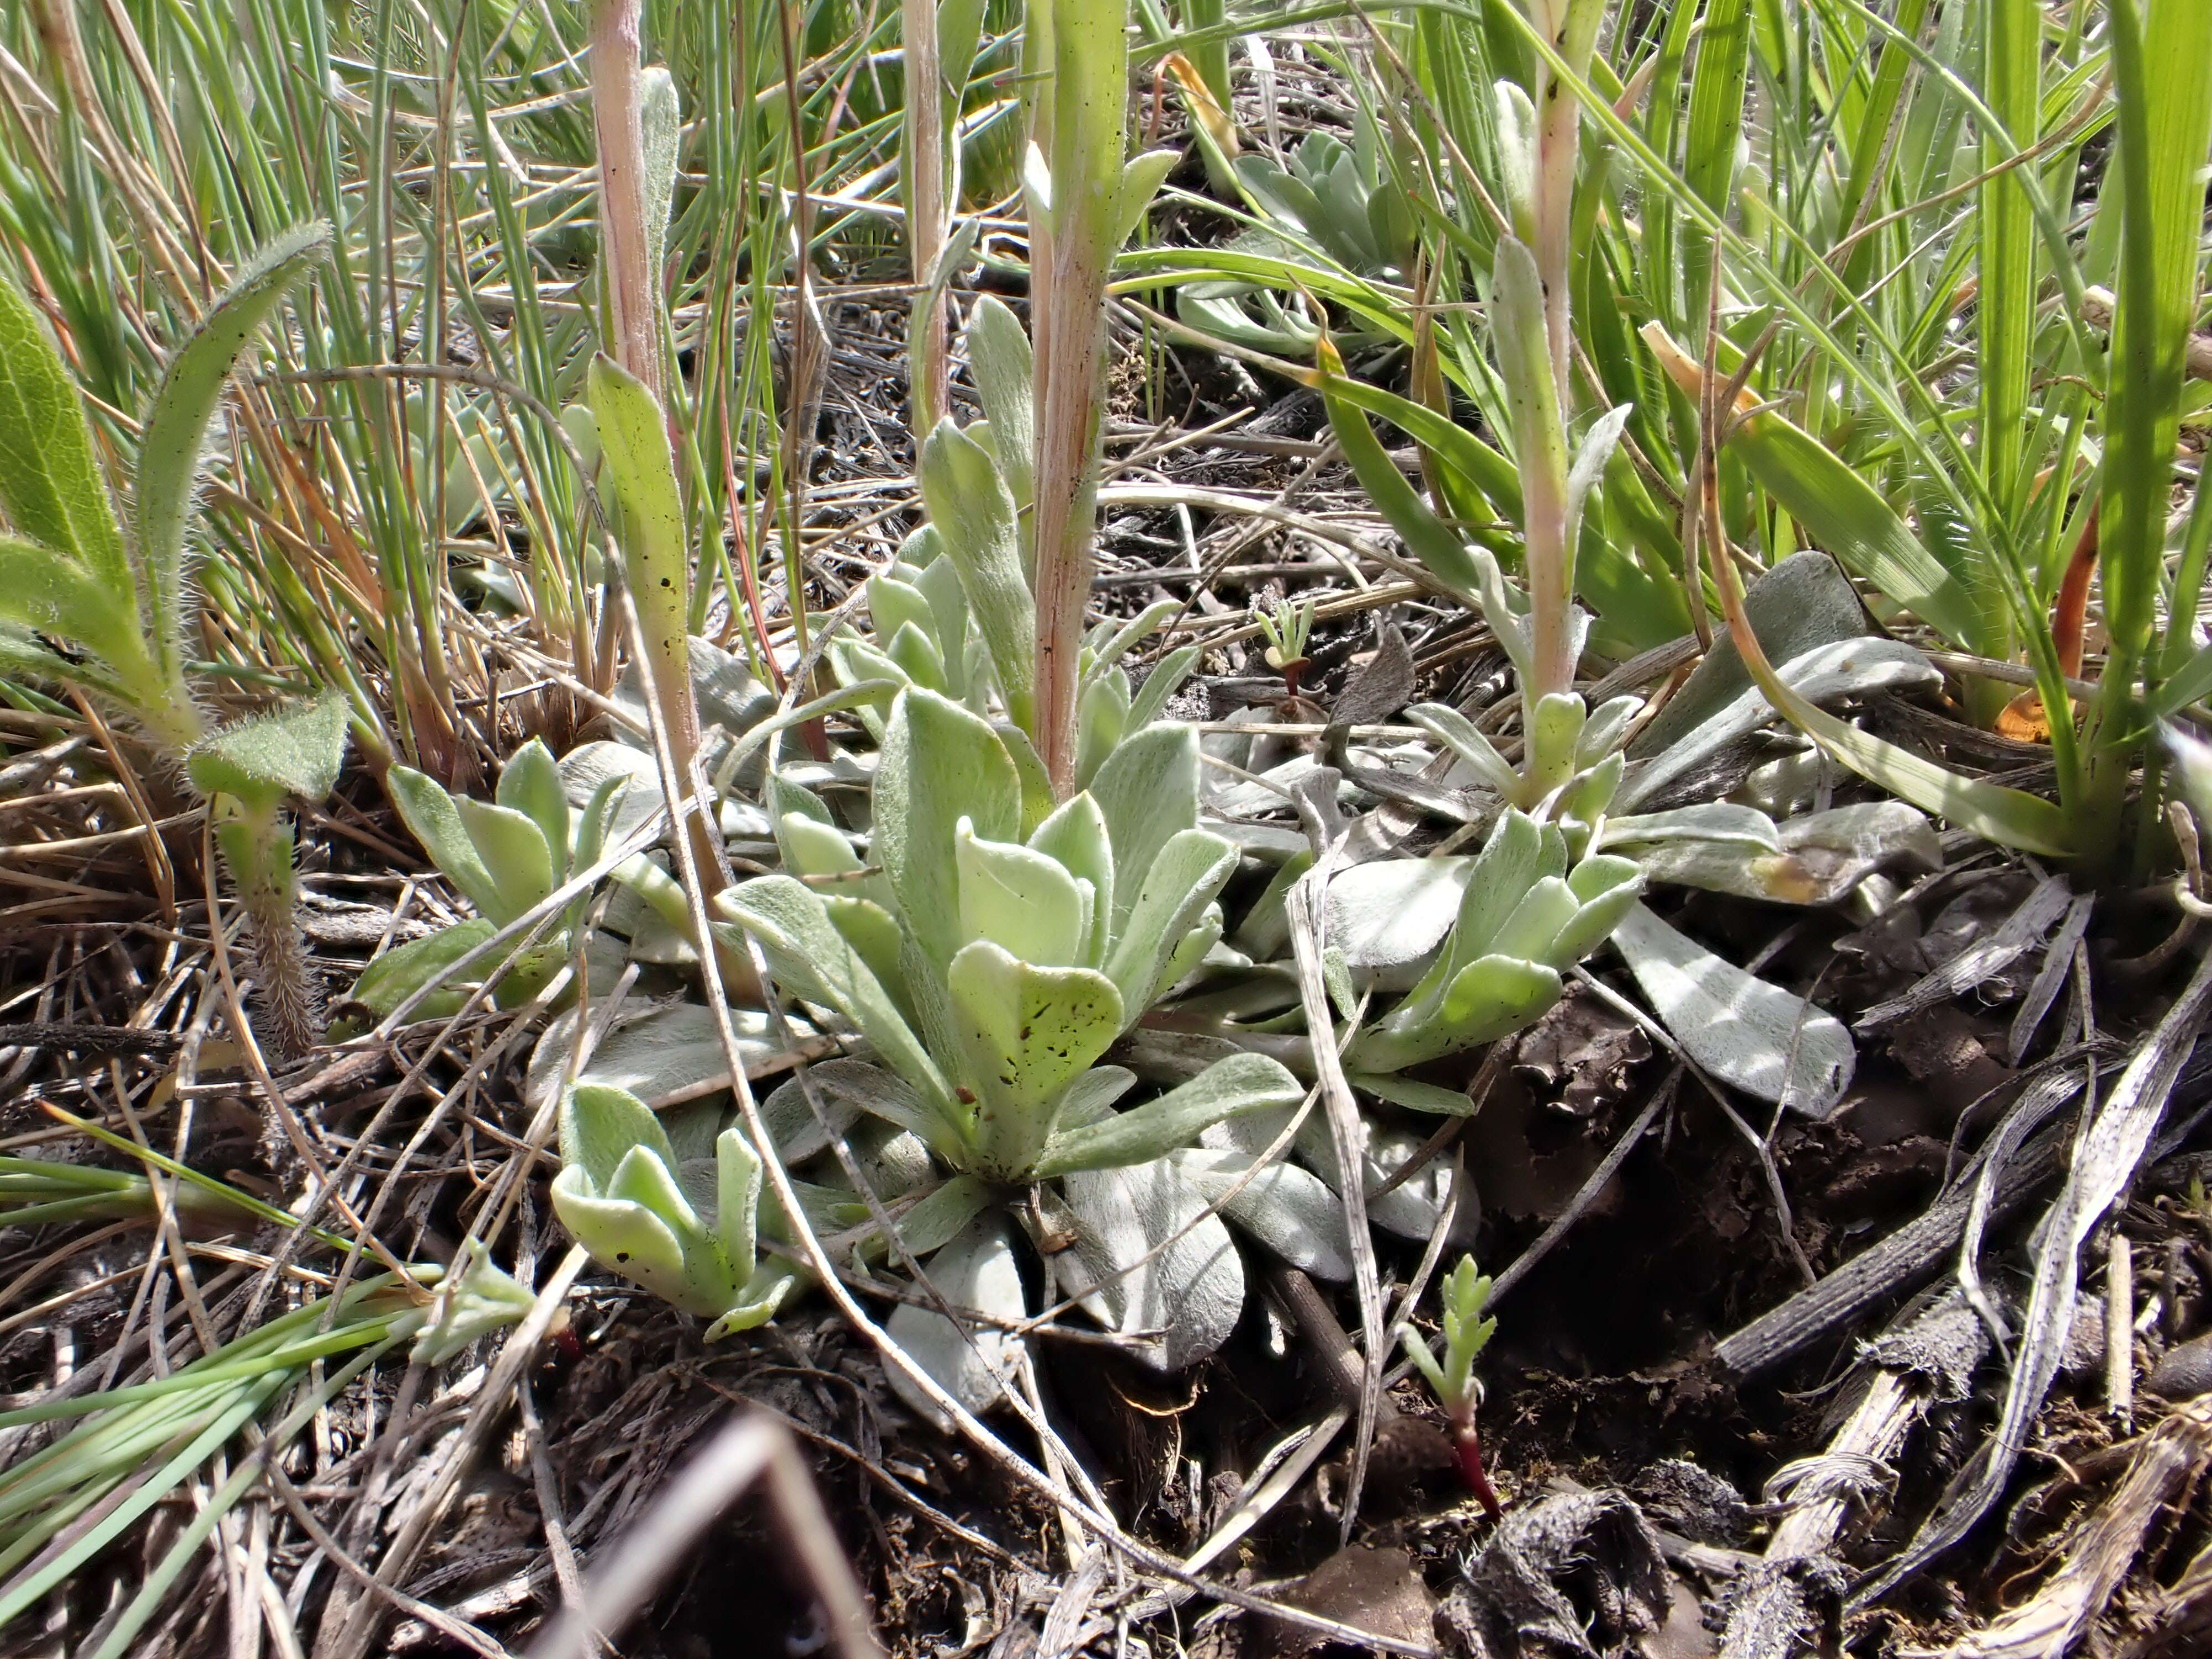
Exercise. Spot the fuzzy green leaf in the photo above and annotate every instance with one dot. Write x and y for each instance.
(813, 959)
(1239, 1083)
(296, 749)
(513, 849)
(42, 588)
(737, 1189)
(1177, 886)
(24, 657)
(406, 968)
(1147, 793)
(1000, 358)
(1076, 837)
(974, 514)
(939, 764)
(176, 421)
(601, 1126)
(1025, 902)
(634, 443)
(1461, 736)
(530, 784)
(50, 486)
(622, 1235)
(432, 818)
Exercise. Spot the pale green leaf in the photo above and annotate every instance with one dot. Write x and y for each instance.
(295, 749)
(813, 960)
(1075, 836)
(974, 514)
(513, 850)
(1147, 793)
(634, 443)
(42, 588)
(939, 764)
(1239, 1083)
(530, 784)
(598, 1128)
(406, 968)
(50, 488)
(431, 817)
(1025, 902)
(1178, 883)
(621, 1235)
(1026, 1033)
(1000, 358)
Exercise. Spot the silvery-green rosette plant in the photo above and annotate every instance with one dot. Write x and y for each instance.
(1334, 202)
(115, 588)
(506, 856)
(1568, 859)
(680, 1221)
(994, 948)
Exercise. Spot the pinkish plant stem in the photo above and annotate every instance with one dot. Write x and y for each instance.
(925, 211)
(633, 318)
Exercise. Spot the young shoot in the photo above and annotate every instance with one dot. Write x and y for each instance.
(1466, 1334)
(1286, 626)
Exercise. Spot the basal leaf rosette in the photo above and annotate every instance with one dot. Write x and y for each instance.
(505, 856)
(1003, 951)
(685, 1230)
(1527, 917)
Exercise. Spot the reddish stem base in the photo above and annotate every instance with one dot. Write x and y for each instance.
(1466, 1444)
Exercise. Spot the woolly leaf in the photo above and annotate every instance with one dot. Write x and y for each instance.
(1025, 902)
(813, 959)
(530, 784)
(939, 764)
(634, 441)
(1147, 791)
(1075, 835)
(1184, 877)
(975, 515)
(1000, 357)
(42, 588)
(431, 817)
(1239, 1083)
(512, 848)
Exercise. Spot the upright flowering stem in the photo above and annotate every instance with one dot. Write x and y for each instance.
(1076, 130)
(632, 323)
(1568, 26)
(635, 433)
(924, 181)
(1542, 201)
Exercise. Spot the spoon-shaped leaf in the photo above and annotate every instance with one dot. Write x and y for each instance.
(1026, 1033)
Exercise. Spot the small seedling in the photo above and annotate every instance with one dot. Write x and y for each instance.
(1286, 626)
(507, 857)
(682, 1228)
(1466, 1334)
(1528, 916)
